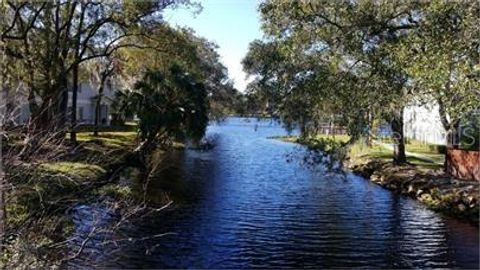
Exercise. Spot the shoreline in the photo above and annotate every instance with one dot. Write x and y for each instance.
(439, 192)
(429, 186)
(86, 173)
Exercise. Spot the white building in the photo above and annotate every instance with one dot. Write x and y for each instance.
(18, 101)
(86, 104)
(422, 122)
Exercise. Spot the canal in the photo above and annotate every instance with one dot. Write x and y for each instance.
(247, 204)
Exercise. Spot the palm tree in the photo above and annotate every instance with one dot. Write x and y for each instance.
(170, 105)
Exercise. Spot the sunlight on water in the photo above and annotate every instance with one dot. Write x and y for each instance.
(245, 206)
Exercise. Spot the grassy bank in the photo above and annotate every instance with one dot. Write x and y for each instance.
(422, 178)
(423, 155)
(42, 192)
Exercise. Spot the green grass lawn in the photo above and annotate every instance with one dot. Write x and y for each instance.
(423, 147)
(295, 139)
(432, 151)
(111, 139)
(337, 138)
(73, 169)
(91, 157)
(48, 183)
(108, 148)
(290, 139)
(360, 152)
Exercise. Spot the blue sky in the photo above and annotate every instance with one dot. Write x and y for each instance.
(232, 24)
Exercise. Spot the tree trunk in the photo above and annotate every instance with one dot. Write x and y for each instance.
(453, 135)
(303, 128)
(73, 133)
(369, 140)
(452, 129)
(399, 156)
(443, 114)
(97, 109)
(9, 107)
(3, 212)
(63, 106)
(32, 102)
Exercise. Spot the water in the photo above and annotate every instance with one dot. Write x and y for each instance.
(243, 205)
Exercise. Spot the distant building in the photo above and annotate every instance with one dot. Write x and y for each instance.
(19, 111)
(422, 123)
(86, 104)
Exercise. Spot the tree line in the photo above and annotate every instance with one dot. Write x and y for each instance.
(171, 79)
(50, 47)
(362, 62)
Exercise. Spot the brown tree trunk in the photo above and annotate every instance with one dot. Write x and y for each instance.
(399, 156)
(97, 109)
(3, 212)
(369, 140)
(452, 129)
(73, 133)
(9, 107)
(443, 114)
(453, 135)
(63, 106)
(303, 128)
(32, 103)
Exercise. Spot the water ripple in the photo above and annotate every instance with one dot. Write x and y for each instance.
(247, 207)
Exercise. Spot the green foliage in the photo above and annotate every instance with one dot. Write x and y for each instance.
(357, 63)
(441, 58)
(360, 153)
(46, 187)
(424, 148)
(48, 41)
(110, 139)
(74, 170)
(325, 62)
(116, 191)
(189, 52)
(170, 105)
(328, 145)
(470, 139)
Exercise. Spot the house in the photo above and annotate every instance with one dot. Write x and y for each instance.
(422, 123)
(86, 104)
(87, 101)
(19, 112)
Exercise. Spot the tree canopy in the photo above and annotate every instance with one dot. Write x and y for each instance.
(357, 61)
(50, 40)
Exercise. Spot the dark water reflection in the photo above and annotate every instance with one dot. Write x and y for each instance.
(242, 205)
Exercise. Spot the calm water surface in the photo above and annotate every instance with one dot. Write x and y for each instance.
(244, 205)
